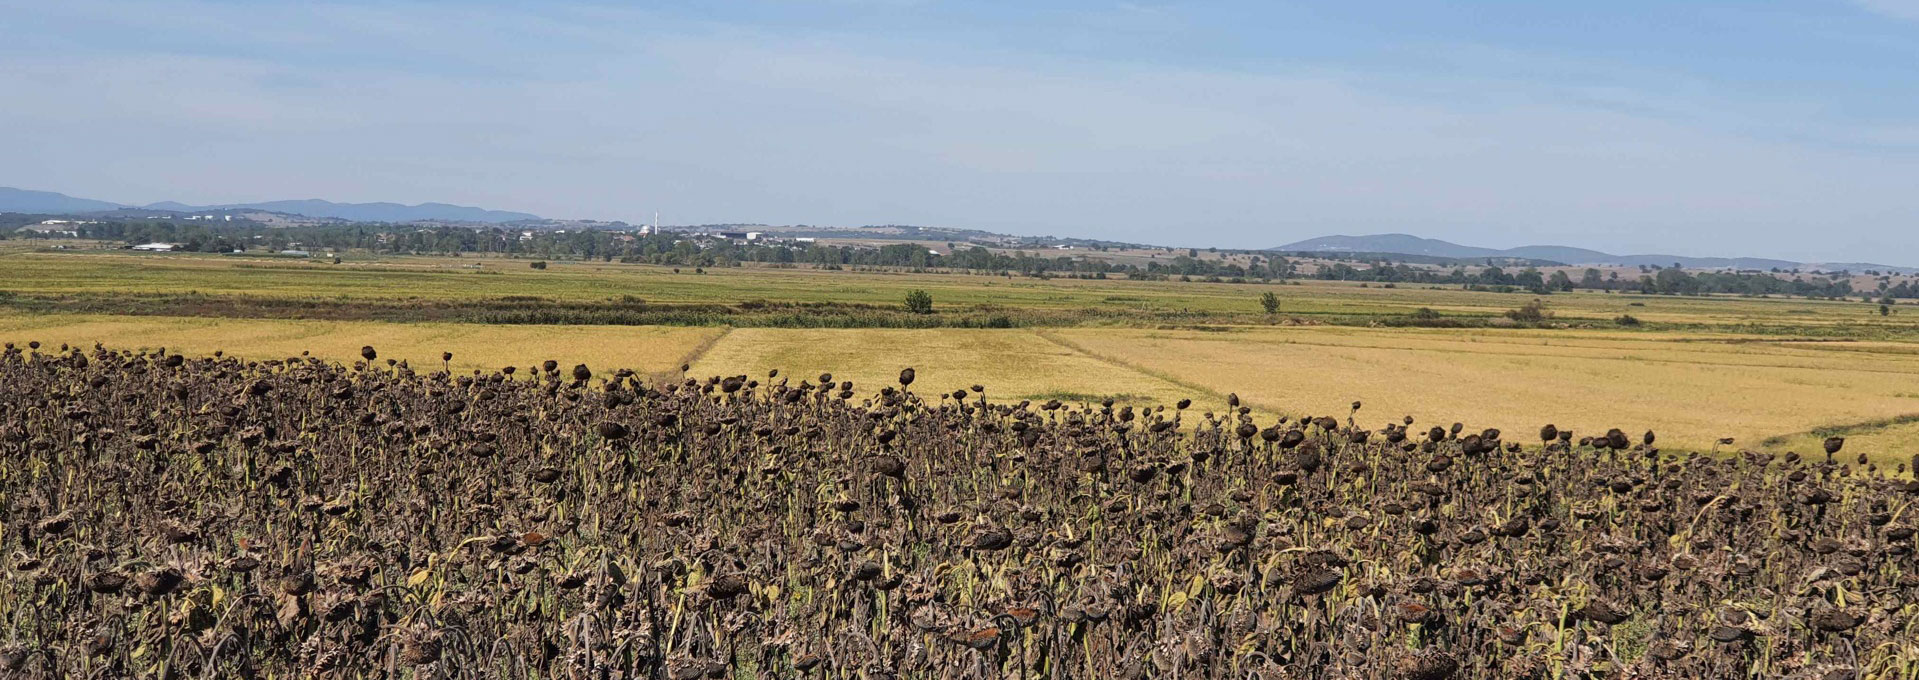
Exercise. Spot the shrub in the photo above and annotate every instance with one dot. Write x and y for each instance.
(1269, 302)
(919, 302)
(538, 264)
(1627, 320)
(1531, 312)
(1425, 317)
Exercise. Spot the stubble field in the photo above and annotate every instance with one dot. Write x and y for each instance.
(1768, 373)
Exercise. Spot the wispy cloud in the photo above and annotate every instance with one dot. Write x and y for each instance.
(1901, 9)
(600, 111)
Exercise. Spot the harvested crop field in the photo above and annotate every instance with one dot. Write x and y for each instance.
(1018, 364)
(1692, 389)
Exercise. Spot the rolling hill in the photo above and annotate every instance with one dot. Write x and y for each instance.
(25, 201)
(1406, 244)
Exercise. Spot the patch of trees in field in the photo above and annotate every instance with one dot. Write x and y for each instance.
(1663, 281)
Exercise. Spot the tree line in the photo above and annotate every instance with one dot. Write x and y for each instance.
(679, 249)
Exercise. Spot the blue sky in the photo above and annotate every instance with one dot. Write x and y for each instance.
(1784, 129)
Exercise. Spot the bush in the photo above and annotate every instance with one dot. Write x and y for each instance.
(1627, 320)
(1531, 312)
(538, 264)
(1269, 302)
(919, 302)
(1425, 317)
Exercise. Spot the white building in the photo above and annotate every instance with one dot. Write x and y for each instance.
(53, 228)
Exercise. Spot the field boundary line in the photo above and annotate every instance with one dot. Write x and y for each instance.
(1860, 427)
(693, 355)
(1122, 363)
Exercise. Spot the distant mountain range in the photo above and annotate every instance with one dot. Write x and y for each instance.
(25, 201)
(1407, 244)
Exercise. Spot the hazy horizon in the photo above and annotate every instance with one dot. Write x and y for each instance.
(1786, 131)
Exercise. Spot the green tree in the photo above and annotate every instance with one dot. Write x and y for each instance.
(1532, 280)
(1269, 302)
(919, 302)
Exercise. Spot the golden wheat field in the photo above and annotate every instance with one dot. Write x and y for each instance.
(1770, 392)
(1012, 364)
(1888, 439)
(1693, 389)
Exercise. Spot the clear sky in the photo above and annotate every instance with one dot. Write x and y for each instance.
(1786, 129)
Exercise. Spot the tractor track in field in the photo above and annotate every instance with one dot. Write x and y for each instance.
(1116, 362)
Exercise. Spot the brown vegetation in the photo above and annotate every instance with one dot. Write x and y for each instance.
(214, 517)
